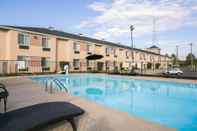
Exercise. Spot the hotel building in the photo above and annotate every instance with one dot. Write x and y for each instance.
(31, 49)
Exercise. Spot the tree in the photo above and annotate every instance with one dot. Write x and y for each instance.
(166, 55)
(189, 58)
(174, 59)
(62, 64)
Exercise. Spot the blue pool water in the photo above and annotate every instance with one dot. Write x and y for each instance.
(167, 103)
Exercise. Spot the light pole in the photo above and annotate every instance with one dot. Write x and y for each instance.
(192, 61)
(177, 55)
(131, 29)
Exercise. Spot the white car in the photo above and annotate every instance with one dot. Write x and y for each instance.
(174, 71)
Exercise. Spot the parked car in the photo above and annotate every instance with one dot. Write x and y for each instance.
(174, 71)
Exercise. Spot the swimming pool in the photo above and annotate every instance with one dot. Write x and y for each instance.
(170, 104)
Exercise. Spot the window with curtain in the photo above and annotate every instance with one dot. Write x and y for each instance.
(23, 39)
(76, 47)
(45, 62)
(76, 63)
(45, 42)
(89, 49)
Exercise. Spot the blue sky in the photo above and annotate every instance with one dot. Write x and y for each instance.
(176, 21)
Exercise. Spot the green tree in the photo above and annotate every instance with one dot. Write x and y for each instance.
(189, 58)
(174, 59)
(166, 55)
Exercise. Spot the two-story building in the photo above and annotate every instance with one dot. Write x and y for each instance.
(31, 49)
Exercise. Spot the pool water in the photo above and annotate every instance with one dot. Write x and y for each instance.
(169, 104)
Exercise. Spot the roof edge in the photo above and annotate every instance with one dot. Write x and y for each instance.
(97, 40)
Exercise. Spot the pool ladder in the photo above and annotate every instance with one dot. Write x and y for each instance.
(57, 83)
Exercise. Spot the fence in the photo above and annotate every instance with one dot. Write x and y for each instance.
(8, 67)
(18, 67)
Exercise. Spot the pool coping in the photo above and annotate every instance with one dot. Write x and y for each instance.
(162, 79)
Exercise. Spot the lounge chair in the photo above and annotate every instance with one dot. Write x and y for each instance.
(3, 95)
(38, 116)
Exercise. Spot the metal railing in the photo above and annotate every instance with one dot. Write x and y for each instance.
(11, 67)
(54, 83)
(60, 84)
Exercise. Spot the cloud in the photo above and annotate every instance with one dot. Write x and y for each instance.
(113, 19)
(98, 6)
(194, 8)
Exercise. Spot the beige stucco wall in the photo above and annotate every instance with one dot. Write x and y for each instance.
(35, 50)
(154, 50)
(61, 49)
(3, 44)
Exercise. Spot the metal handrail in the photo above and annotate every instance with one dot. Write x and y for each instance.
(60, 84)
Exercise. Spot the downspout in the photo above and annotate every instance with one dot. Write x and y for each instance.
(56, 56)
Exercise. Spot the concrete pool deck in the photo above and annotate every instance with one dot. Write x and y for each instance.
(24, 92)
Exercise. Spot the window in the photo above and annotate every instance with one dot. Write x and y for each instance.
(88, 63)
(150, 58)
(127, 54)
(23, 40)
(108, 51)
(76, 64)
(114, 51)
(107, 64)
(89, 49)
(35, 37)
(159, 59)
(144, 56)
(45, 45)
(22, 63)
(76, 47)
(98, 45)
(89, 68)
(45, 64)
(141, 56)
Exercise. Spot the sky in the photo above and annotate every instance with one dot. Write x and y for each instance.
(175, 20)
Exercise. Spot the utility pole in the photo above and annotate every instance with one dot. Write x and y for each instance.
(177, 54)
(132, 45)
(192, 61)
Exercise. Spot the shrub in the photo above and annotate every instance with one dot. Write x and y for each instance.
(157, 65)
(62, 64)
(149, 65)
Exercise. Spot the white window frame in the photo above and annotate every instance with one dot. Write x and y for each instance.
(76, 63)
(127, 54)
(22, 62)
(114, 51)
(89, 63)
(76, 46)
(45, 45)
(46, 65)
(108, 50)
(107, 64)
(25, 41)
(89, 48)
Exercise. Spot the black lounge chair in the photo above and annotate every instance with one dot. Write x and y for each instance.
(3, 95)
(38, 116)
